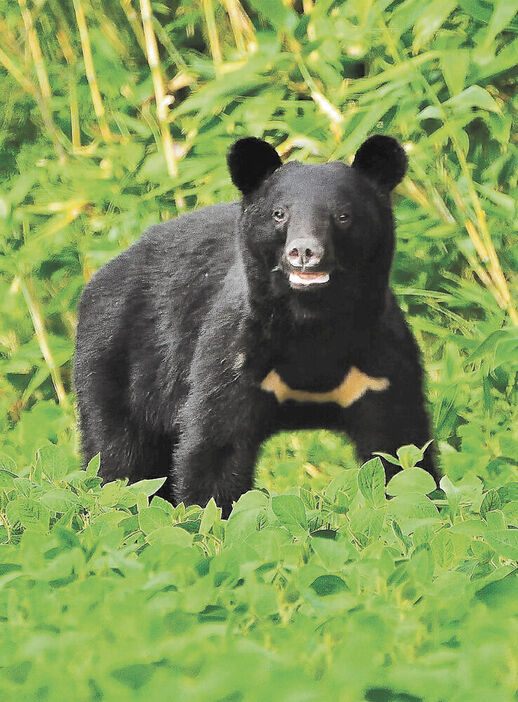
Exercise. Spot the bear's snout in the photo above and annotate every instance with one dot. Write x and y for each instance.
(304, 253)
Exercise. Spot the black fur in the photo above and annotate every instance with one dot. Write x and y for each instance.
(382, 159)
(176, 334)
(250, 161)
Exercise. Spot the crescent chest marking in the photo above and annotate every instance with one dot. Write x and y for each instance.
(353, 386)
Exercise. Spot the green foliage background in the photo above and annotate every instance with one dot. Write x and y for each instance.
(318, 587)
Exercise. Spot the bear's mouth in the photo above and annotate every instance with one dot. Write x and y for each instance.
(304, 279)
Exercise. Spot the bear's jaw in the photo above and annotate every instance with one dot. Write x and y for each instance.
(304, 279)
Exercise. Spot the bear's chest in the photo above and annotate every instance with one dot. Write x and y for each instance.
(353, 386)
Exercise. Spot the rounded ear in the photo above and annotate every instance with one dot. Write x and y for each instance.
(250, 161)
(383, 160)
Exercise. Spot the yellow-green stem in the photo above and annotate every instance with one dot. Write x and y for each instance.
(27, 289)
(212, 31)
(43, 79)
(91, 75)
(162, 103)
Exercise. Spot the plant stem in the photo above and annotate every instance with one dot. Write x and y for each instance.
(43, 79)
(90, 72)
(27, 289)
(212, 30)
(158, 84)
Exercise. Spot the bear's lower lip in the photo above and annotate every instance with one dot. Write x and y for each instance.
(305, 279)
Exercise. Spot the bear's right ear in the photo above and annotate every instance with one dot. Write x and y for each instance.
(250, 161)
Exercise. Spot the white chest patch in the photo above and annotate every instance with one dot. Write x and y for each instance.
(353, 386)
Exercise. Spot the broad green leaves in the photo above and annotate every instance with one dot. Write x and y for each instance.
(413, 480)
(371, 482)
(183, 595)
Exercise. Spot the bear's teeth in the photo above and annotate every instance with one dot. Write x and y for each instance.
(309, 278)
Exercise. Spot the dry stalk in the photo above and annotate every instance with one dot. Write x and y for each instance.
(212, 31)
(70, 58)
(18, 74)
(132, 17)
(483, 244)
(41, 335)
(161, 98)
(235, 23)
(45, 95)
(325, 106)
(90, 72)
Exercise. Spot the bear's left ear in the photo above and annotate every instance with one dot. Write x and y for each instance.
(250, 161)
(383, 160)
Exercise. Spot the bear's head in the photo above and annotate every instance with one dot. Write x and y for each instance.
(318, 237)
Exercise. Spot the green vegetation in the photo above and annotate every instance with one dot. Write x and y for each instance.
(118, 114)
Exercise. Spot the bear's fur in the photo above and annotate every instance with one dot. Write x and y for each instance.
(218, 328)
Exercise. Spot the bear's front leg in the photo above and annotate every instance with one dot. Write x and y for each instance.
(385, 421)
(222, 424)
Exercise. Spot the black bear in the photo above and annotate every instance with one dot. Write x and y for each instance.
(218, 328)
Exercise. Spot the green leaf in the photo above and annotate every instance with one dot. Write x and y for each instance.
(54, 462)
(290, 511)
(211, 515)
(93, 466)
(504, 541)
(504, 11)
(371, 482)
(410, 455)
(430, 19)
(474, 96)
(454, 65)
(170, 536)
(276, 14)
(152, 518)
(59, 500)
(328, 585)
(147, 487)
(388, 457)
(490, 502)
(411, 480)
(134, 676)
(32, 514)
(508, 492)
(7, 463)
(411, 508)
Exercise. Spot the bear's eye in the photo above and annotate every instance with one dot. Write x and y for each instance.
(343, 217)
(279, 214)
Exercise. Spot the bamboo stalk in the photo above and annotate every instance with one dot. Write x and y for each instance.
(41, 335)
(17, 74)
(326, 106)
(484, 245)
(42, 76)
(70, 58)
(30, 88)
(90, 71)
(166, 42)
(245, 23)
(235, 23)
(158, 84)
(132, 17)
(35, 49)
(8, 37)
(212, 30)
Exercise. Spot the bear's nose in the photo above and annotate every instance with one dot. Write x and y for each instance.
(302, 253)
